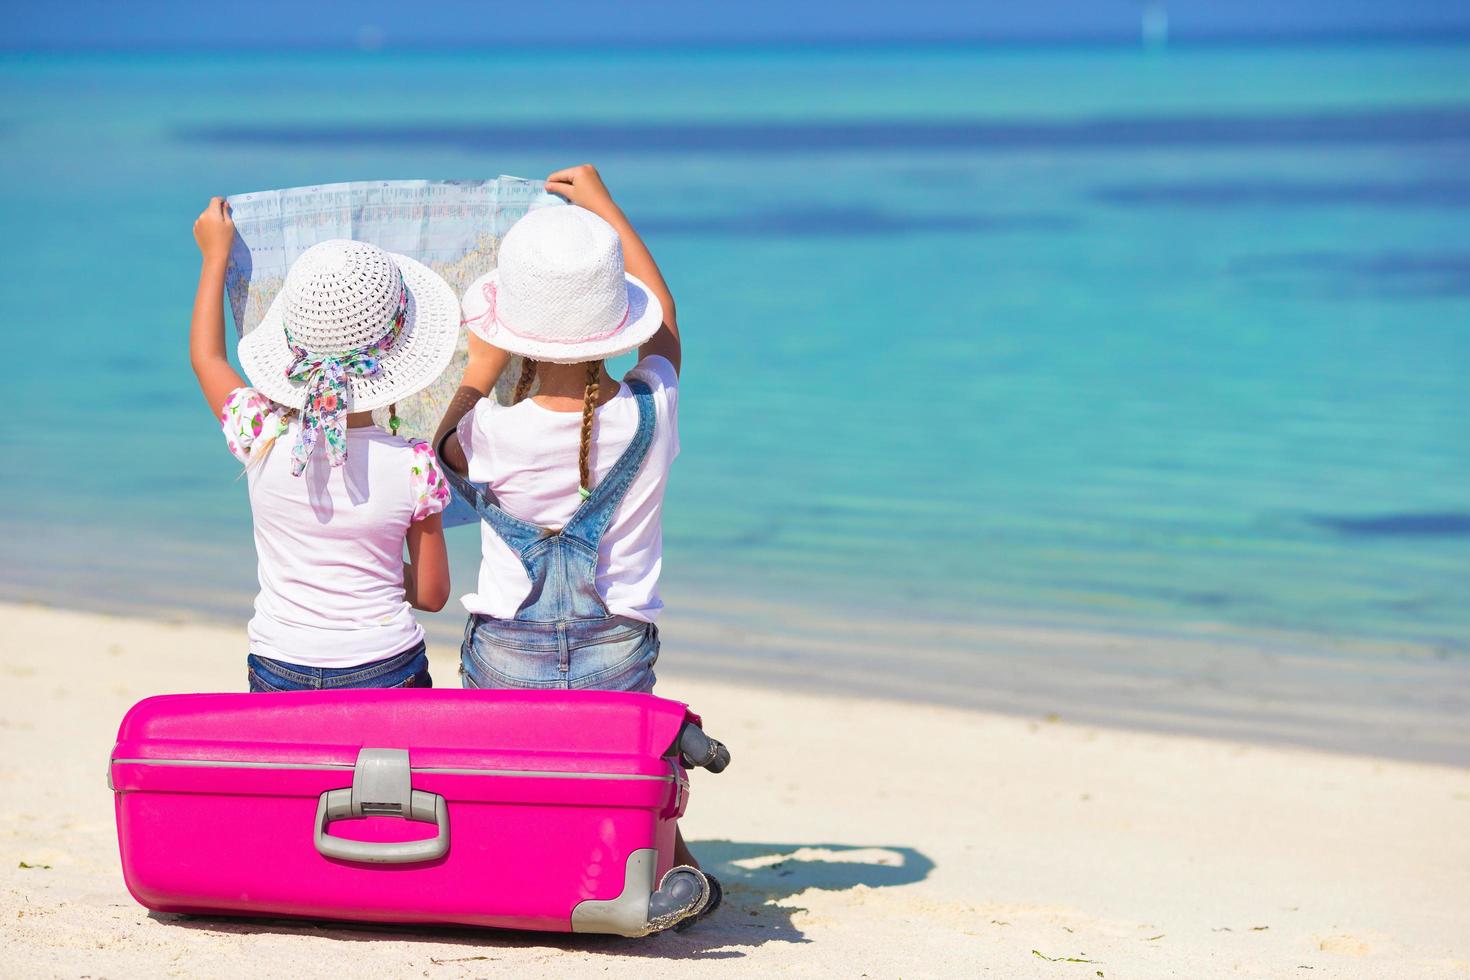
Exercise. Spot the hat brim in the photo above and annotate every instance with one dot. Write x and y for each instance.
(422, 352)
(645, 317)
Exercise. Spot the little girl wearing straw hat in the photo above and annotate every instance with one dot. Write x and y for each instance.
(571, 530)
(354, 328)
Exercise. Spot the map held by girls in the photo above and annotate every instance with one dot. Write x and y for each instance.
(453, 227)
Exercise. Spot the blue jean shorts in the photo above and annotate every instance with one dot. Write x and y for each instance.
(612, 654)
(407, 669)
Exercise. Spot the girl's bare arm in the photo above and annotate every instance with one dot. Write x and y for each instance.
(484, 368)
(214, 231)
(583, 187)
(426, 573)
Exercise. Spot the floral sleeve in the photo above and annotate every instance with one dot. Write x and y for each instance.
(245, 418)
(430, 492)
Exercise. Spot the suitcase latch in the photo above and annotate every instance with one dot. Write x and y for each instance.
(382, 784)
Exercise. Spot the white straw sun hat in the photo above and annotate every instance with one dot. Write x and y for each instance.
(559, 292)
(340, 298)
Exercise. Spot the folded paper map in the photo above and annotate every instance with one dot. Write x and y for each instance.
(453, 227)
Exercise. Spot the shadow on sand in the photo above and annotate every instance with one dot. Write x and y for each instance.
(759, 879)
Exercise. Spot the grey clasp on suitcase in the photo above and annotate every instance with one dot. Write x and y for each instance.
(382, 786)
(646, 906)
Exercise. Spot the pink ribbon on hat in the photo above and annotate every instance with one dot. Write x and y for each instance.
(491, 293)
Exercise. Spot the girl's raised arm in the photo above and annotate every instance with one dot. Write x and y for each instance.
(485, 365)
(214, 231)
(583, 187)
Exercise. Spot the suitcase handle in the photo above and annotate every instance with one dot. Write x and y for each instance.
(336, 804)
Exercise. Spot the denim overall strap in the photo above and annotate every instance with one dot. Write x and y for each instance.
(516, 533)
(562, 565)
(592, 518)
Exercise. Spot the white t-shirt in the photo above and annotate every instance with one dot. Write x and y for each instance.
(330, 542)
(528, 457)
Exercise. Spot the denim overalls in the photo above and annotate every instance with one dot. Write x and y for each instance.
(563, 636)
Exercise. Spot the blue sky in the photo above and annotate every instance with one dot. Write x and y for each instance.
(173, 23)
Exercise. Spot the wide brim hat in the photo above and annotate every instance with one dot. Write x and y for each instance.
(559, 292)
(421, 353)
(645, 316)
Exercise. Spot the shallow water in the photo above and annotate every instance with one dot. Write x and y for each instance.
(1143, 336)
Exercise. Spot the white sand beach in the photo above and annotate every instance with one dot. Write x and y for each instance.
(857, 837)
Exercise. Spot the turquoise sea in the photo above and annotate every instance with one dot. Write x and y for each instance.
(973, 332)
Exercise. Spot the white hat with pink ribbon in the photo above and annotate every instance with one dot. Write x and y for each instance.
(559, 292)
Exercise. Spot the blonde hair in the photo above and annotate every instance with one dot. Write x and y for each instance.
(263, 449)
(523, 384)
(589, 405)
(589, 413)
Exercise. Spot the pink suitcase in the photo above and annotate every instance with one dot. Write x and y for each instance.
(543, 810)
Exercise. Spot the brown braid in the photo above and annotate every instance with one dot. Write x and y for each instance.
(523, 385)
(589, 403)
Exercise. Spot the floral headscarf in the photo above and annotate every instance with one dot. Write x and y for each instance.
(325, 377)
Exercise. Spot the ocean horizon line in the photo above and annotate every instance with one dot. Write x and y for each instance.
(1438, 36)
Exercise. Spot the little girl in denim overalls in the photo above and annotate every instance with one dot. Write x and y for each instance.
(353, 328)
(572, 537)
